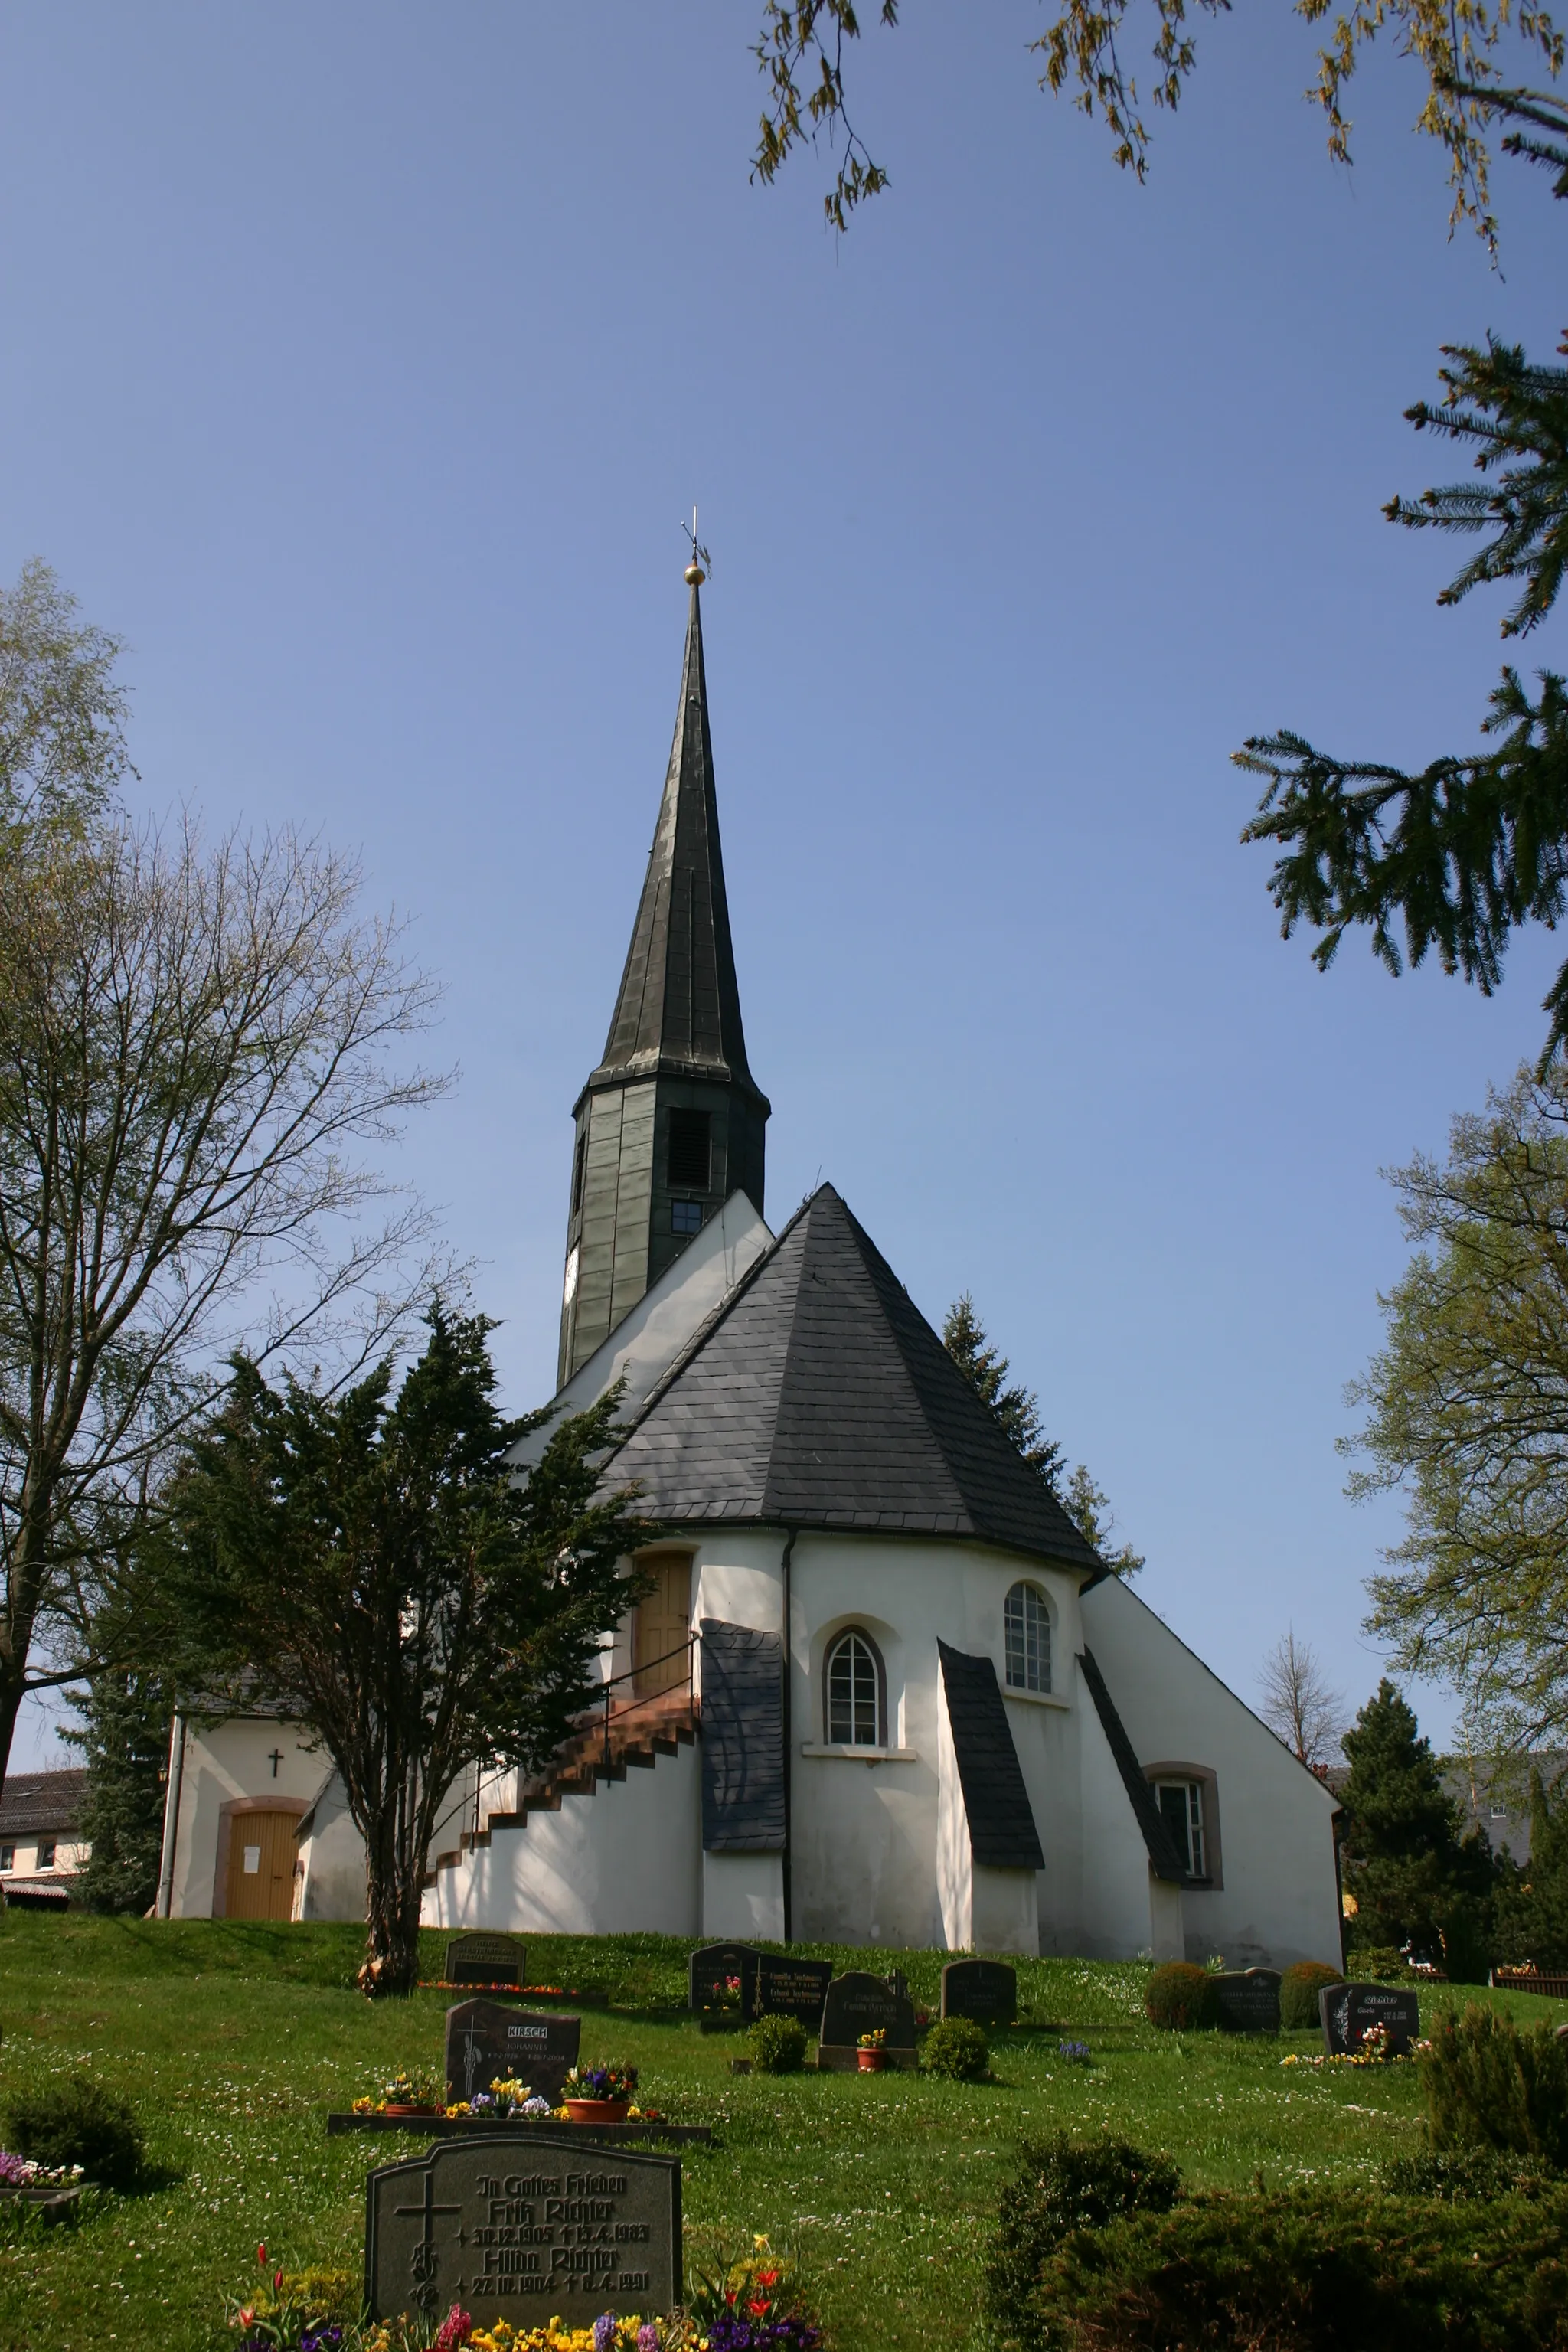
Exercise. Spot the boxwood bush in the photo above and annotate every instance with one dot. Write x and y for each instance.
(1298, 1990)
(1181, 1997)
(77, 2121)
(777, 2045)
(957, 2047)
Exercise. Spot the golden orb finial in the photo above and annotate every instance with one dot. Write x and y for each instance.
(694, 576)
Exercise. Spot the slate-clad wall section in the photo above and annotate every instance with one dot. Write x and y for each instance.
(1002, 1830)
(742, 1740)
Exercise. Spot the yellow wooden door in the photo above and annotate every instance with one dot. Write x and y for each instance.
(661, 1625)
(260, 1866)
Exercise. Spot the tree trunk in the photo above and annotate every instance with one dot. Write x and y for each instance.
(391, 1886)
(13, 1690)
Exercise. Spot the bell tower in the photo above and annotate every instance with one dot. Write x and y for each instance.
(671, 1122)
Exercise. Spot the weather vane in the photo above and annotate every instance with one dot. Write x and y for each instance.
(701, 564)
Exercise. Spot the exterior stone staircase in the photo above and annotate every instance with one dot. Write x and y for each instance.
(640, 1732)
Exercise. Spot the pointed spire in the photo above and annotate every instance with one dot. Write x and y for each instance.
(679, 1005)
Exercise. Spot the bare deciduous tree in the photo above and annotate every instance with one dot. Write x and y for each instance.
(1298, 1702)
(196, 1043)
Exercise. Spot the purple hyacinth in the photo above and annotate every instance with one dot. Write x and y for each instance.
(648, 2336)
(605, 2332)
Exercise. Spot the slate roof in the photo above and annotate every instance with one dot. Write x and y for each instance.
(1164, 1859)
(678, 1009)
(46, 1804)
(1002, 1832)
(818, 1395)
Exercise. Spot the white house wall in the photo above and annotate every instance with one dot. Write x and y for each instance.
(1278, 1902)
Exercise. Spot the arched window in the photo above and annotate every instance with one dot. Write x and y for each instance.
(1027, 1624)
(855, 1686)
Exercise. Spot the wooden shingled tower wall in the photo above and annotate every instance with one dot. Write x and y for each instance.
(671, 1122)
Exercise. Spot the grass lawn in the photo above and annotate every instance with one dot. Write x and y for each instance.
(234, 2040)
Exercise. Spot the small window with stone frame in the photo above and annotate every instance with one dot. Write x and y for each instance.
(855, 1693)
(1181, 1804)
(1027, 1639)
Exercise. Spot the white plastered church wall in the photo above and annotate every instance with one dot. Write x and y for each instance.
(227, 1764)
(1118, 1919)
(1278, 1899)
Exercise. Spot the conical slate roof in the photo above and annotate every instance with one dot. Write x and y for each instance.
(679, 1008)
(818, 1395)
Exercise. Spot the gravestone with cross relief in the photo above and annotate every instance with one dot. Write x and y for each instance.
(488, 2042)
(523, 2230)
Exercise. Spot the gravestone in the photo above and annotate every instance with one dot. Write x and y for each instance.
(522, 2230)
(792, 1988)
(986, 1991)
(709, 1971)
(860, 2003)
(1248, 2000)
(1350, 2011)
(485, 1960)
(486, 2043)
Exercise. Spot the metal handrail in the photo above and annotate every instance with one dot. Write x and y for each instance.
(642, 1667)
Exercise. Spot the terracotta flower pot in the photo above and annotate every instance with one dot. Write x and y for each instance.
(392, 2110)
(598, 2111)
(872, 2062)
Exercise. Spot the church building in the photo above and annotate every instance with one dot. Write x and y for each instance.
(880, 1690)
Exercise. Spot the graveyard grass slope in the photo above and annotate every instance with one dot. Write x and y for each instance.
(234, 2040)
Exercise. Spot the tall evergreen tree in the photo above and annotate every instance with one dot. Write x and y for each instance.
(1532, 1905)
(124, 1742)
(1018, 1409)
(1416, 1883)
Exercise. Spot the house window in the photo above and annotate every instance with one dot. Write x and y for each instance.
(686, 1216)
(46, 1853)
(855, 1693)
(7, 1857)
(690, 1149)
(1181, 1804)
(1027, 1624)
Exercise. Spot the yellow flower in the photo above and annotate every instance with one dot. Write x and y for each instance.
(761, 2245)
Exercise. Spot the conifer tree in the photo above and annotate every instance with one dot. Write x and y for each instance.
(1018, 1409)
(1416, 1884)
(124, 1741)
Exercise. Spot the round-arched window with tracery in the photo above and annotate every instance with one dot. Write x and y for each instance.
(1026, 1627)
(855, 1684)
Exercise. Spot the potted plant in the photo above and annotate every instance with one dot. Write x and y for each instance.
(873, 2049)
(403, 2095)
(599, 2094)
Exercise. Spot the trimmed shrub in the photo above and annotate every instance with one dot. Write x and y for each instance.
(1064, 2186)
(1309, 2269)
(77, 2121)
(957, 2048)
(1298, 1990)
(1449, 2174)
(1488, 2086)
(1379, 1964)
(777, 2045)
(1181, 1998)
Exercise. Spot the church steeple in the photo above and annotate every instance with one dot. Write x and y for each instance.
(671, 1122)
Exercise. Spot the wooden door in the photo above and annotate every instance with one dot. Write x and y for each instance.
(661, 1625)
(260, 1866)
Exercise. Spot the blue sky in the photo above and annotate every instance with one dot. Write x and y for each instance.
(359, 364)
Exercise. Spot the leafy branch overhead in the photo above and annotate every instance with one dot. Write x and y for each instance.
(801, 52)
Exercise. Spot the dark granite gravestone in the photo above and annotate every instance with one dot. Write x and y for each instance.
(711, 1974)
(859, 2003)
(1248, 2000)
(486, 2043)
(985, 1990)
(791, 1987)
(521, 2230)
(485, 1960)
(1349, 2010)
